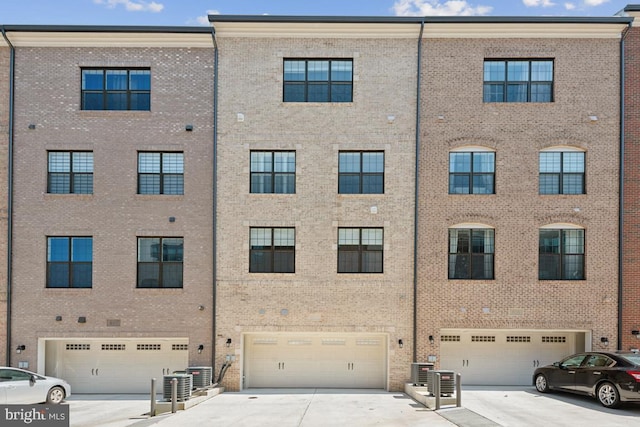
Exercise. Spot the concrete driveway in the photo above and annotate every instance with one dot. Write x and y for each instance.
(482, 407)
(525, 407)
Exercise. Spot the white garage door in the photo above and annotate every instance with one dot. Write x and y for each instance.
(117, 365)
(501, 357)
(304, 361)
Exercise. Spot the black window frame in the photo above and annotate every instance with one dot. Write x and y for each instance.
(561, 257)
(504, 83)
(562, 174)
(70, 264)
(472, 174)
(331, 84)
(280, 259)
(161, 260)
(162, 182)
(361, 252)
(74, 178)
(274, 174)
(361, 175)
(104, 92)
(463, 263)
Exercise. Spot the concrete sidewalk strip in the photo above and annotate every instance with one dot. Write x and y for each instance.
(463, 417)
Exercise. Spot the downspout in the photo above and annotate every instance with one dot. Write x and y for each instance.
(415, 202)
(12, 57)
(215, 197)
(621, 186)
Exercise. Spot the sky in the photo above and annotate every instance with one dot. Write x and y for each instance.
(194, 12)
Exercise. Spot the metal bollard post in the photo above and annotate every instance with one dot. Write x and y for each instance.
(174, 395)
(436, 390)
(458, 390)
(152, 412)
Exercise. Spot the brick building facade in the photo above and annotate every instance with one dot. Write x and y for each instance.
(276, 239)
(505, 314)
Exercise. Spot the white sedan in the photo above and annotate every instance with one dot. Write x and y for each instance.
(18, 386)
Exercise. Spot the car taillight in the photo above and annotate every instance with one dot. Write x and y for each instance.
(635, 374)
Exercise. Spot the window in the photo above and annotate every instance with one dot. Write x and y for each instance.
(360, 250)
(318, 80)
(272, 250)
(361, 172)
(573, 361)
(160, 173)
(160, 262)
(273, 172)
(69, 262)
(562, 172)
(471, 253)
(70, 172)
(116, 89)
(561, 254)
(518, 81)
(472, 172)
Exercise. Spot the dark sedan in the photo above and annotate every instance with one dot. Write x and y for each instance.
(610, 377)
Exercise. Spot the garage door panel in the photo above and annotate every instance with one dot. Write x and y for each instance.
(502, 357)
(315, 361)
(116, 366)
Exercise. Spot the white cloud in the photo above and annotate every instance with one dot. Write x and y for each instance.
(204, 19)
(569, 6)
(594, 2)
(133, 5)
(438, 8)
(538, 3)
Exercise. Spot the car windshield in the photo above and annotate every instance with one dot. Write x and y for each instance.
(632, 357)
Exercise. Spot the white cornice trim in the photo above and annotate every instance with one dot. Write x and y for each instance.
(524, 30)
(411, 30)
(310, 30)
(102, 39)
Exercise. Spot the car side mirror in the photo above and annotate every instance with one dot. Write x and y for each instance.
(556, 364)
(32, 380)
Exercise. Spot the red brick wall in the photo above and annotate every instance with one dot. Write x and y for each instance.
(4, 139)
(631, 231)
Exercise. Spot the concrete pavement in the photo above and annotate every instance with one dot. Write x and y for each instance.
(308, 408)
(481, 407)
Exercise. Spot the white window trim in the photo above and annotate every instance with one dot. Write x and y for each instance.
(563, 148)
(562, 225)
(472, 149)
